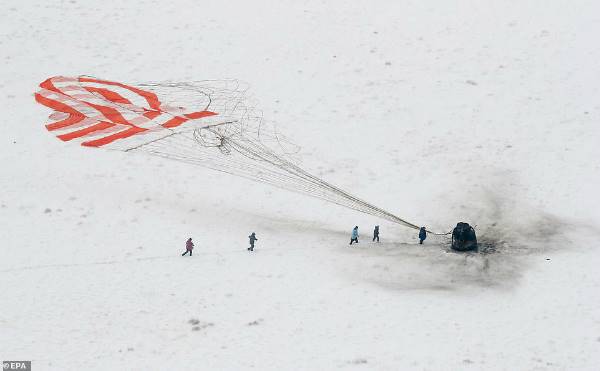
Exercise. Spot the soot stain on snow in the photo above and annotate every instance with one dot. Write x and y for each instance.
(509, 227)
(412, 267)
(509, 235)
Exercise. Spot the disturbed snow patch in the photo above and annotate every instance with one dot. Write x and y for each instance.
(510, 236)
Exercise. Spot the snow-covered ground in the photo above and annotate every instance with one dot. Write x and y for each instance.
(485, 112)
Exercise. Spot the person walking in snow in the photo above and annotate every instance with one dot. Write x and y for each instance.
(376, 233)
(422, 235)
(354, 237)
(189, 246)
(252, 238)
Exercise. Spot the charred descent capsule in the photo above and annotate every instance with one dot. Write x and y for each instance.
(463, 237)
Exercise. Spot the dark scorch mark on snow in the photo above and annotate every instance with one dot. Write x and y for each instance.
(511, 235)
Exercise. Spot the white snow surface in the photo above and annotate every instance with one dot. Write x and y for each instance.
(439, 111)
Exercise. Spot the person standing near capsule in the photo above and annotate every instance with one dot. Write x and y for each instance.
(376, 233)
(354, 237)
(422, 235)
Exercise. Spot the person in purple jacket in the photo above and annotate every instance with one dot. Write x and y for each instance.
(189, 246)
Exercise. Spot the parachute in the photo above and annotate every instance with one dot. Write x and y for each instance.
(222, 131)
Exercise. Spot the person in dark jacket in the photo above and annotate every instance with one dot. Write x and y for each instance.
(422, 235)
(354, 237)
(252, 238)
(376, 233)
(189, 246)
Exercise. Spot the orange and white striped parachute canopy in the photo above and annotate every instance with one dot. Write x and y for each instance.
(99, 112)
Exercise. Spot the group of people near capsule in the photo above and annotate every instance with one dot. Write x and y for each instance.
(354, 236)
(189, 245)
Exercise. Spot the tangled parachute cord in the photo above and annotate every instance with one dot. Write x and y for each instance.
(220, 129)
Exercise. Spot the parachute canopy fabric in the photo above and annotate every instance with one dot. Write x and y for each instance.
(101, 112)
(205, 123)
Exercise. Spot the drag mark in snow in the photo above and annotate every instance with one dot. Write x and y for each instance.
(75, 265)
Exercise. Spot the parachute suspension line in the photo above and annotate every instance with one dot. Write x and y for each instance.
(266, 155)
(210, 123)
(242, 144)
(232, 149)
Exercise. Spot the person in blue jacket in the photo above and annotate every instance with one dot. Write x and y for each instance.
(422, 235)
(354, 237)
